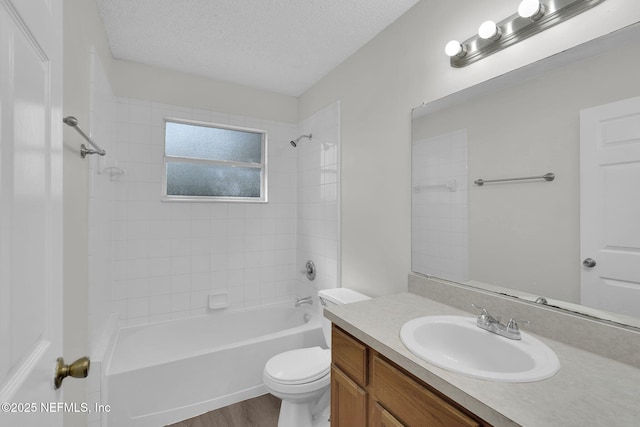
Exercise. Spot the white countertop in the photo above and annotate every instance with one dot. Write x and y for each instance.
(589, 390)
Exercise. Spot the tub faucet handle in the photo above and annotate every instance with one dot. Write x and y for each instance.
(309, 270)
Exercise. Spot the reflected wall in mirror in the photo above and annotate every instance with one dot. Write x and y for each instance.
(520, 237)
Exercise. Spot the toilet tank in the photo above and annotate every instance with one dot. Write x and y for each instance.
(336, 296)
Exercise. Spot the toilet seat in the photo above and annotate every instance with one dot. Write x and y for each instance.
(300, 366)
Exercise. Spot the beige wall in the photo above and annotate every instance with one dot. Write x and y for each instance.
(380, 84)
(138, 81)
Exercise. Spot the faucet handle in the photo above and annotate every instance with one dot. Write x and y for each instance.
(512, 326)
(484, 310)
(485, 316)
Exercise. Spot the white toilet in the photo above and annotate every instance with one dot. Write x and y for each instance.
(301, 377)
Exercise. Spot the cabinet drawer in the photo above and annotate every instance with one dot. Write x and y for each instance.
(350, 355)
(410, 402)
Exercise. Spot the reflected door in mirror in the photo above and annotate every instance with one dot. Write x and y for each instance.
(610, 206)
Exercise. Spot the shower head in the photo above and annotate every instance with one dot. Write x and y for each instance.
(294, 143)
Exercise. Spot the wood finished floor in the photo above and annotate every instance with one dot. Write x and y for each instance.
(261, 411)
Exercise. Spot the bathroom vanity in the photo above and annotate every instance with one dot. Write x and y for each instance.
(377, 381)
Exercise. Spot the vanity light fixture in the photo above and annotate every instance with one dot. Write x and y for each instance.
(532, 17)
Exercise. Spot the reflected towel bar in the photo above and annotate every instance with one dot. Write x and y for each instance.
(451, 185)
(73, 122)
(547, 177)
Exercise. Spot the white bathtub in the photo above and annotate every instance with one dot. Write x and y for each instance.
(166, 372)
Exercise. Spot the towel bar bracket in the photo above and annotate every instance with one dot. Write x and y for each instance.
(84, 151)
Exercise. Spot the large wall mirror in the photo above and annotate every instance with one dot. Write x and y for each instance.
(523, 237)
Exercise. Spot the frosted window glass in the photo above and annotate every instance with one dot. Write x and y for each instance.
(205, 161)
(203, 142)
(195, 179)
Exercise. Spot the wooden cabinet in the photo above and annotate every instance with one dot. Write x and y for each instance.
(348, 381)
(369, 390)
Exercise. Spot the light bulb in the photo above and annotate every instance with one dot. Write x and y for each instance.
(489, 31)
(531, 9)
(454, 48)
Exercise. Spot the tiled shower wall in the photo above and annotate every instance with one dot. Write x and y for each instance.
(169, 256)
(319, 198)
(440, 242)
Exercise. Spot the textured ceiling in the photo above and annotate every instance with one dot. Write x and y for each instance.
(283, 46)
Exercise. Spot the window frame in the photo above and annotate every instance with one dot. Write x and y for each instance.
(262, 166)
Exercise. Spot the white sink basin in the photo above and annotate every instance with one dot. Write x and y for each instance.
(457, 344)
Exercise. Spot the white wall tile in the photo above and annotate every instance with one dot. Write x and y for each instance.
(160, 285)
(318, 231)
(180, 302)
(160, 304)
(166, 257)
(437, 161)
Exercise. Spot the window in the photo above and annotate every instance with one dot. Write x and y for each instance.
(207, 162)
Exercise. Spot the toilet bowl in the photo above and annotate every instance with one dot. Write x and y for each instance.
(301, 378)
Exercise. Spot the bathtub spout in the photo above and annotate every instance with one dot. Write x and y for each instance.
(305, 300)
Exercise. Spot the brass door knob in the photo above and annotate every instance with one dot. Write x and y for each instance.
(78, 369)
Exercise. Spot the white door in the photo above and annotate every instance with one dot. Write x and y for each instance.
(610, 206)
(30, 211)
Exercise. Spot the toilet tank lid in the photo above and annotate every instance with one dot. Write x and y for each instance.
(342, 295)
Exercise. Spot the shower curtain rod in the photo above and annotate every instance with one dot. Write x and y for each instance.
(73, 122)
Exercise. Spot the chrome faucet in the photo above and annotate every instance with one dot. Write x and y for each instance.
(305, 300)
(489, 323)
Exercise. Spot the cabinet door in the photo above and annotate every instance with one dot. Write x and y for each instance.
(348, 401)
(413, 403)
(380, 417)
